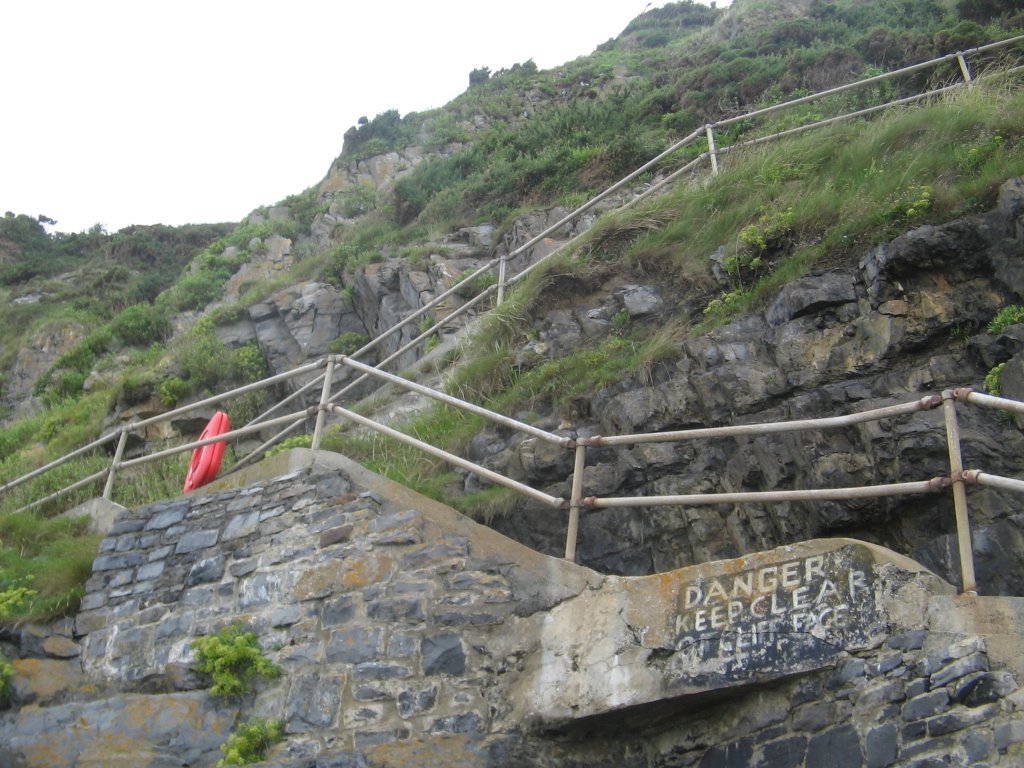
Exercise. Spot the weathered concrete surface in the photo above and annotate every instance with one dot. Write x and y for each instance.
(718, 625)
(101, 513)
(999, 619)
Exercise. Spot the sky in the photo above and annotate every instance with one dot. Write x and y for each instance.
(120, 112)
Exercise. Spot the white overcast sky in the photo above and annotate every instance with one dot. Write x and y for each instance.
(119, 112)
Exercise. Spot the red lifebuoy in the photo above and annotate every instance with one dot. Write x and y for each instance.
(206, 459)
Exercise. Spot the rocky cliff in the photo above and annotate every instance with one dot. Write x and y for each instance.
(907, 320)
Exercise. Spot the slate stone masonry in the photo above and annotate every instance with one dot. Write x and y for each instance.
(897, 705)
(380, 633)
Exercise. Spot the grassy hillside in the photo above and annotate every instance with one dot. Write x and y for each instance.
(517, 140)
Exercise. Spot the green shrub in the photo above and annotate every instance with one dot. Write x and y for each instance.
(249, 744)
(298, 441)
(14, 599)
(347, 343)
(196, 291)
(68, 384)
(173, 391)
(1005, 317)
(770, 230)
(140, 324)
(233, 659)
(357, 200)
(992, 384)
(248, 364)
(202, 356)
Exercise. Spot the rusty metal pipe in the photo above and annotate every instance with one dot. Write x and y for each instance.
(424, 309)
(829, 422)
(257, 452)
(551, 501)
(968, 395)
(228, 395)
(575, 502)
(457, 403)
(64, 491)
(977, 477)
(219, 438)
(934, 485)
(108, 487)
(956, 468)
(62, 460)
(399, 352)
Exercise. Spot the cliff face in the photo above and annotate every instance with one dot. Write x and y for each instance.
(908, 320)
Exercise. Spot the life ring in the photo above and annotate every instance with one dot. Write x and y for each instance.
(206, 459)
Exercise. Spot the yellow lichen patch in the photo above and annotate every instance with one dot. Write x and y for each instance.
(445, 752)
(41, 680)
(116, 751)
(46, 755)
(365, 570)
(318, 582)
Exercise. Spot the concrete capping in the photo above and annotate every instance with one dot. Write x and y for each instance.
(1000, 620)
(101, 513)
(719, 625)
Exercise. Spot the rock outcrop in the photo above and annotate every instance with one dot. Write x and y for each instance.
(907, 321)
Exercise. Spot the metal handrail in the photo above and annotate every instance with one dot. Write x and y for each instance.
(830, 422)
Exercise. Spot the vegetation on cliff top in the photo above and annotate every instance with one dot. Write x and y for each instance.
(517, 140)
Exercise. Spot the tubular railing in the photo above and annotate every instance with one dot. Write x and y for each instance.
(577, 502)
(122, 433)
(958, 479)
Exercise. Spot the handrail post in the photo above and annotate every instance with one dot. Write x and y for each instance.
(325, 399)
(956, 467)
(121, 441)
(502, 268)
(575, 502)
(711, 149)
(964, 69)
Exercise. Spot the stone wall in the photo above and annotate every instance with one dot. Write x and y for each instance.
(410, 636)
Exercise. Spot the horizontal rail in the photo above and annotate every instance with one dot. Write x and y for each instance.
(255, 428)
(258, 451)
(867, 81)
(455, 402)
(934, 485)
(412, 344)
(613, 188)
(425, 308)
(840, 118)
(312, 383)
(551, 501)
(829, 422)
(968, 395)
(93, 478)
(262, 384)
(977, 477)
(62, 460)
